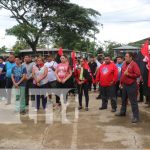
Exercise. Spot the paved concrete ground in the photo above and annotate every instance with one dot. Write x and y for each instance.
(94, 129)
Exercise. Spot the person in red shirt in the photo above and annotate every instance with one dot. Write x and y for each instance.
(63, 74)
(82, 77)
(107, 76)
(130, 73)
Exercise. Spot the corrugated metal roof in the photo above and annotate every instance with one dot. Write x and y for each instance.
(126, 47)
(50, 50)
(41, 50)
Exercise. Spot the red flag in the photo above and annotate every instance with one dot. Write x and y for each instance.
(60, 52)
(73, 56)
(145, 53)
(144, 49)
(86, 65)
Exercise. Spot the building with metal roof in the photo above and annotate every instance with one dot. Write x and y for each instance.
(45, 52)
(122, 50)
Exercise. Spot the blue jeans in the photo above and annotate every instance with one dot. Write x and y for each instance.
(39, 97)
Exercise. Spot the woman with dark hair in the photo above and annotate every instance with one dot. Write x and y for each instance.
(63, 73)
(82, 77)
(40, 80)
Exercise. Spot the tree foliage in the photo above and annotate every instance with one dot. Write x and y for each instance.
(109, 47)
(3, 48)
(65, 22)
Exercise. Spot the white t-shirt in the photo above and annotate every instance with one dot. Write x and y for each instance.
(39, 73)
(98, 63)
(51, 73)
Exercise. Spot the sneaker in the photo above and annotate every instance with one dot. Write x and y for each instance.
(98, 97)
(86, 109)
(3, 99)
(23, 112)
(80, 107)
(35, 110)
(135, 120)
(120, 114)
(113, 110)
(45, 109)
(102, 108)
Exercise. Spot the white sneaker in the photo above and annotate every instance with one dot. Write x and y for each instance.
(3, 99)
(35, 110)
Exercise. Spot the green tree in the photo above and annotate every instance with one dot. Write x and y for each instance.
(3, 48)
(59, 19)
(78, 26)
(109, 47)
(33, 19)
(20, 45)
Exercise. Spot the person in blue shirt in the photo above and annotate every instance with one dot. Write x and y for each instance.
(2, 78)
(119, 65)
(18, 78)
(8, 69)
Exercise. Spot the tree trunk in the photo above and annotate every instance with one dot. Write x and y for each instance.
(33, 46)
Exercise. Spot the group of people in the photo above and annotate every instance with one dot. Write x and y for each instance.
(113, 79)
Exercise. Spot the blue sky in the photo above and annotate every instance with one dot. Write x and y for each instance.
(124, 20)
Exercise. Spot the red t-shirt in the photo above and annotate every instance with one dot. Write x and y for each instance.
(107, 73)
(133, 73)
(63, 70)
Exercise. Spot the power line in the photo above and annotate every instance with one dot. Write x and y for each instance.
(127, 21)
(133, 9)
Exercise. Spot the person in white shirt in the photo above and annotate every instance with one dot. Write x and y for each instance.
(98, 60)
(51, 64)
(29, 80)
(40, 81)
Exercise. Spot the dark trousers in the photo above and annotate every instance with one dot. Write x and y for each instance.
(118, 90)
(44, 101)
(62, 86)
(29, 84)
(141, 92)
(106, 93)
(83, 88)
(53, 85)
(94, 85)
(3, 88)
(39, 97)
(130, 91)
(148, 100)
(9, 85)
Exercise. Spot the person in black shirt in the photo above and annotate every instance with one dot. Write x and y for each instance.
(93, 68)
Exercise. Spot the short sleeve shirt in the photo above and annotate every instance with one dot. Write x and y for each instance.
(63, 70)
(18, 72)
(51, 72)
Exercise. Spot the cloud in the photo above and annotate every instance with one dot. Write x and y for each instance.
(124, 20)
(135, 14)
